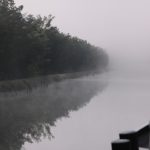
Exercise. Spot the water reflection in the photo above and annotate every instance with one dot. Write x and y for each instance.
(26, 117)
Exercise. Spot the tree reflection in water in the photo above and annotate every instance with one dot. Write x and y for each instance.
(28, 117)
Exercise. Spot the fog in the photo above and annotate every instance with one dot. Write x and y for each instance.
(33, 114)
(120, 27)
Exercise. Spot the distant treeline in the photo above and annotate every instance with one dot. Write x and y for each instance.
(31, 46)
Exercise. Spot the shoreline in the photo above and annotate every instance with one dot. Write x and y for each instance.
(29, 84)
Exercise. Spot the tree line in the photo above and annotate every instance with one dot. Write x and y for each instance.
(31, 46)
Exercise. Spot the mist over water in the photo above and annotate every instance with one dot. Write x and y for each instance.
(122, 28)
(32, 114)
(122, 106)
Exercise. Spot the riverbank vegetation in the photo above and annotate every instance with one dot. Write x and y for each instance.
(30, 46)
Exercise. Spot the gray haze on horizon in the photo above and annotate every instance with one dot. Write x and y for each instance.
(122, 27)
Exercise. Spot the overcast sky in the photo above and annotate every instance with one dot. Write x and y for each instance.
(120, 26)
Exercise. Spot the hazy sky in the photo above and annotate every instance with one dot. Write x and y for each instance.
(120, 26)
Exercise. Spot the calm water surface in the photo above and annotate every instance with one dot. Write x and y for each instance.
(112, 103)
(122, 105)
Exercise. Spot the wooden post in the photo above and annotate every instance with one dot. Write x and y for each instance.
(121, 144)
(132, 136)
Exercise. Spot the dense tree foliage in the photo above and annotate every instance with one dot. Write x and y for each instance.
(31, 46)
